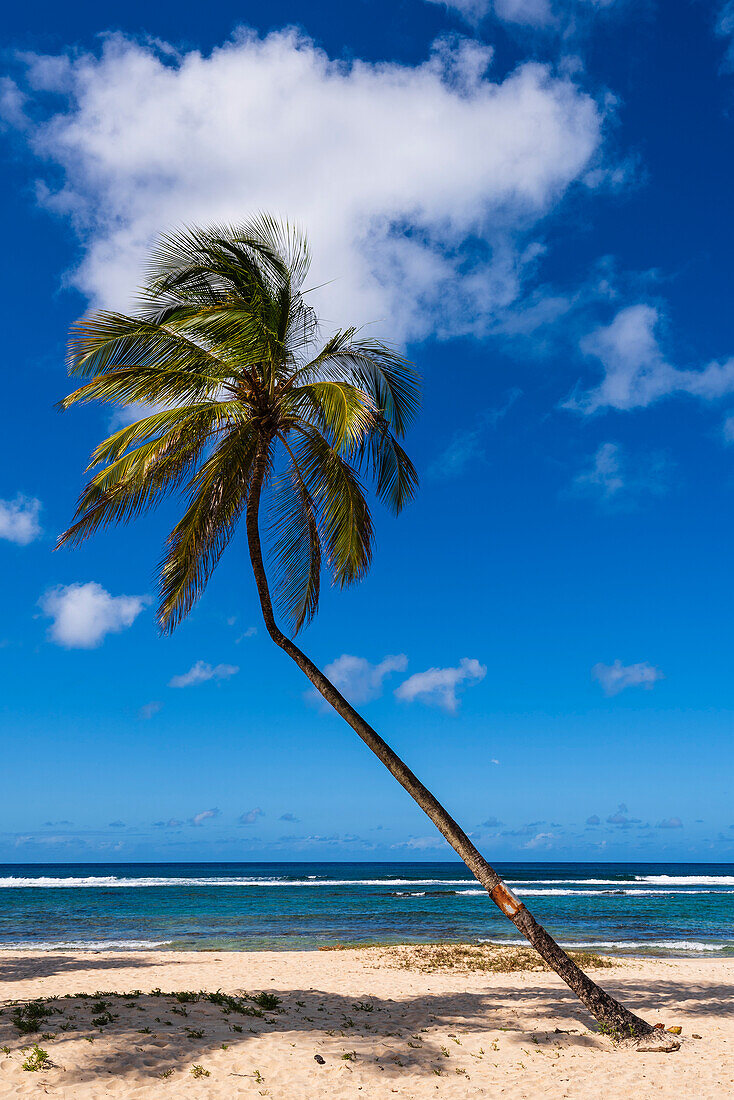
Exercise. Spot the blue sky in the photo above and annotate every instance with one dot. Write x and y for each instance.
(533, 197)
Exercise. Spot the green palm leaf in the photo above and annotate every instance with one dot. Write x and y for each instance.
(223, 353)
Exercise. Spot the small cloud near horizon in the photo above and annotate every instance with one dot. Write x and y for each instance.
(249, 817)
(205, 815)
(619, 817)
(201, 672)
(670, 823)
(617, 677)
(149, 710)
(289, 817)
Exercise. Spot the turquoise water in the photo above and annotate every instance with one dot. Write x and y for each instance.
(652, 909)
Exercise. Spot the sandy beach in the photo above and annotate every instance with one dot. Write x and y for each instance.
(381, 1030)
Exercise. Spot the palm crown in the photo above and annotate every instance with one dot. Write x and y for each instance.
(225, 349)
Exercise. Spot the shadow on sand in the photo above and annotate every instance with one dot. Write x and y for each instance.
(166, 1033)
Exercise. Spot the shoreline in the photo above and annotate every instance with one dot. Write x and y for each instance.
(379, 1028)
(708, 953)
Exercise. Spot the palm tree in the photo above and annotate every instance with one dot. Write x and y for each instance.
(224, 348)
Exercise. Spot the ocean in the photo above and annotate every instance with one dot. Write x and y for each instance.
(623, 908)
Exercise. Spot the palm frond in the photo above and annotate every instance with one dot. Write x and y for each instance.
(296, 546)
(390, 379)
(218, 495)
(396, 479)
(107, 341)
(203, 418)
(339, 410)
(345, 520)
(137, 481)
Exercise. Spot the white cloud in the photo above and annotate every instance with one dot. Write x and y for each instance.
(422, 843)
(636, 371)
(605, 475)
(464, 448)
(149, 710)
(540, 840)
(616, 677)
(725, 28)
(12, 105)
(205, 815)
(404, 176)
(526, 13)
(438, 686)
(670, 823)
(19, 519)
(620, 816)
(83, 614)
(358, 680)
(200, 672)
(249, 817)
(467, 445)
(611, 479)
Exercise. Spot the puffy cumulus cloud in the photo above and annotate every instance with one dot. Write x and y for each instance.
(403, 175)
(616, 677)
(545, 14)
(205, 815)
(359, 680)
(621, 816)
(84, 614)
(670, 823)
(593, 820)
(19, 519)
(540, 840)
(636, 370)
(200, 672)
(438, 686)
(249, 817)
(288, 817)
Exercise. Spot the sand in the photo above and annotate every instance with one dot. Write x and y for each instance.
(381, 1031)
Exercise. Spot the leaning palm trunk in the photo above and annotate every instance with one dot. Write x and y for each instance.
(610, 1014)
(226, 351)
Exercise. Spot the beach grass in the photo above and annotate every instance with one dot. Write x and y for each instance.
(491, 957)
